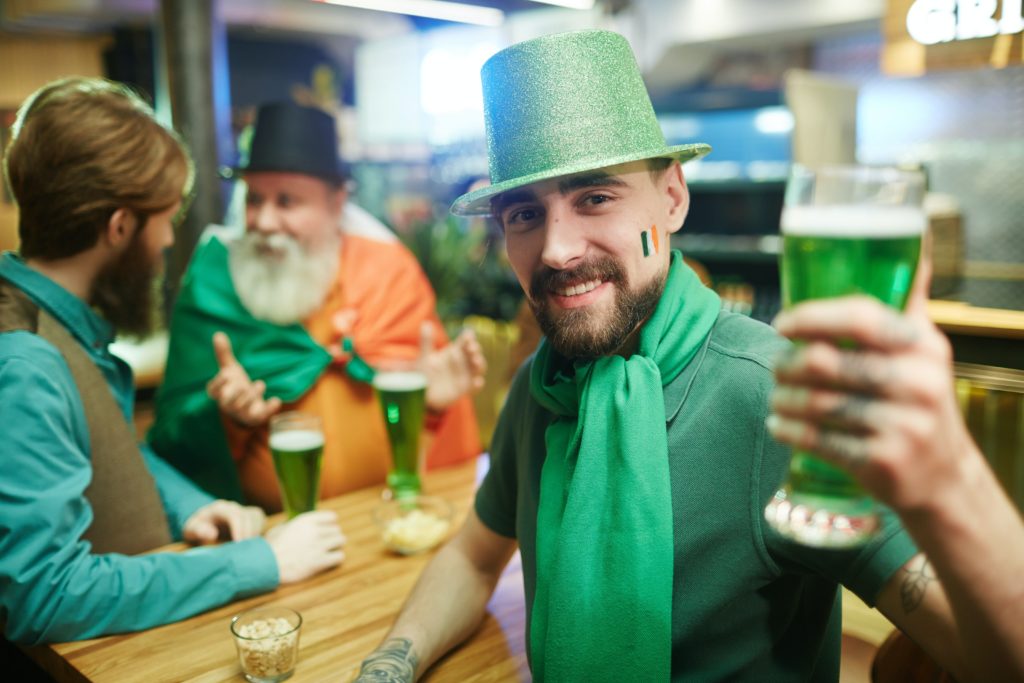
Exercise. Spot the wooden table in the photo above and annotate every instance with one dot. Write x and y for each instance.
(345, 612)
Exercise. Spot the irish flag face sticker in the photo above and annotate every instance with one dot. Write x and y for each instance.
(649, 241)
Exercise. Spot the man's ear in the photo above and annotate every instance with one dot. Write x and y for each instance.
(120, 227)
(337, 199)
(678, 196)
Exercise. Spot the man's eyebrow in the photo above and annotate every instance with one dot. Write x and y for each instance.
(576, 182)
(596, 179)
(506, 199)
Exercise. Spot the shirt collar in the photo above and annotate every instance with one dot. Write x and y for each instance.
(677, 391)
(74, 313)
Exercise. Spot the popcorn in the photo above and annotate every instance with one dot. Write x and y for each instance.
(415, 531)
(272, 650)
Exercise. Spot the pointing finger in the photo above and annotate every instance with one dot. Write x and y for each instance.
(222, 349)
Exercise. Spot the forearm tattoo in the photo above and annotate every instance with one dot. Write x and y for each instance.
(393, 662)
(915, 583)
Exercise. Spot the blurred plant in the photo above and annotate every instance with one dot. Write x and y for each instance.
(467, 268)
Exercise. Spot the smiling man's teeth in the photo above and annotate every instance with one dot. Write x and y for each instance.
(576, 290)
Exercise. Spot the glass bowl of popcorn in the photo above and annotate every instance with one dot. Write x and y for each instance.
(413, 524)
(267, 639)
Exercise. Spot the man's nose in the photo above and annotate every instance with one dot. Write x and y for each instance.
(265, 218)
(565, 244)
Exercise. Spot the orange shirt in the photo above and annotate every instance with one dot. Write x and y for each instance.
(384, 284)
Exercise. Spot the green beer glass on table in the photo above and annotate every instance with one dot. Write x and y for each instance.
(297, 446)
(403, 399)
(845, 230)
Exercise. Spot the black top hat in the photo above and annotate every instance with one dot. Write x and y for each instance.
(295, 139)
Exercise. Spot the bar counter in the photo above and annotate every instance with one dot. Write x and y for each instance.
(956, 317)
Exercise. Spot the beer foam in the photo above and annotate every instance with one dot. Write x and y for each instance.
(875, 222)
(297, 440)
(403, 380)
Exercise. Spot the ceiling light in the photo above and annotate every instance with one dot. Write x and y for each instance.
(571, 4)
(431, 9)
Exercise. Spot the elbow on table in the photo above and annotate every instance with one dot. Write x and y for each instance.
(25, 626)
(35, 611)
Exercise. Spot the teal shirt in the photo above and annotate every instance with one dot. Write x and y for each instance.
(746, 604)
(52, 588)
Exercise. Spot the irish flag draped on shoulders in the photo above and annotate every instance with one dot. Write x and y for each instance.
(382, 282)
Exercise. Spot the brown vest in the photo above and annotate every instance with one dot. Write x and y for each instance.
(128, 516)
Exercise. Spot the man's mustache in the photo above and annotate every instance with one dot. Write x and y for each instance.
(547, 279)
(275, 241)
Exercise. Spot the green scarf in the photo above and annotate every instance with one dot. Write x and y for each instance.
(188, 431)
(603, 604)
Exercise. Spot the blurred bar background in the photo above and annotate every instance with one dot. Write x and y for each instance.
(766, 84)
(809, 81)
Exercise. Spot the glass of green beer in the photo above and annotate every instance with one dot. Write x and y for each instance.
(845, 230)
(403, 400)
(297, 446)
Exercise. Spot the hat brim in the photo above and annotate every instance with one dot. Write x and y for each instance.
(478, 202)
(341, 175)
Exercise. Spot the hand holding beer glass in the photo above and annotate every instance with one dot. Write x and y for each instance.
(402, 392)
(846, 230)
(297, 446)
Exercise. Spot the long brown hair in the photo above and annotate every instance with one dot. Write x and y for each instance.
(82, 148)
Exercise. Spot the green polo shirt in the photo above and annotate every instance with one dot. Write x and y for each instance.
(746, 604)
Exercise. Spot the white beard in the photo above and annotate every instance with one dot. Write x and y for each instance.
(285, 286)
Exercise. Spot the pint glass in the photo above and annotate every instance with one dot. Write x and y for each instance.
(846, 230)
(297, 446)
(403, 398)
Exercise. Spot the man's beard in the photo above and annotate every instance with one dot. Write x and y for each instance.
(581, 332)
(276, 278)
(126, 291)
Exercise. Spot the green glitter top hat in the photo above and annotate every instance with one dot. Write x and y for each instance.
(563, 104)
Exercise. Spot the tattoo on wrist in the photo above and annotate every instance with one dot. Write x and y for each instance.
(393, 662)
(915, 583)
